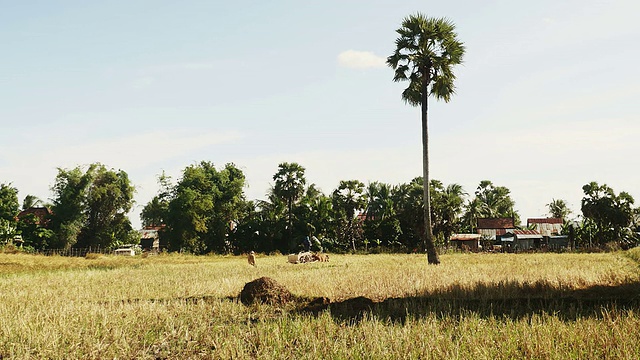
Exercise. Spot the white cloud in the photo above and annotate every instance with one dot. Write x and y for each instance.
(360, 60)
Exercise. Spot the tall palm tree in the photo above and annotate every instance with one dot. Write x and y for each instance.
(348, 198)
(379, 204)
(453, 196)
(496, 201)
(289, 187)
(426, 51)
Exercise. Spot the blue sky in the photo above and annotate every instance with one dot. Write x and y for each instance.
(546, 98)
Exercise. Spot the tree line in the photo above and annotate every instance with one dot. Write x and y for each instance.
(206, 211)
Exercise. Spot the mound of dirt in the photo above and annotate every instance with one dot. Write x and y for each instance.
(265, 290)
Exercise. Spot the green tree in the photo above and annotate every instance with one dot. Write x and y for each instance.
(447, 207)
(472, 211)
(155, 212)
(272, 224)
(381, 225)
(348, 198)
(68, 207)
(496, 201)
(558, 209)
(205, 208)
(379, 203)
(408, 202)
(90, 208)
(426, 51)
(9, 207)
(289, 187)
(108, 200)
(315, 213)
(612, 215)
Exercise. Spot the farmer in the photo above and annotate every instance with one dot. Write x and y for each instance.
(306, 243)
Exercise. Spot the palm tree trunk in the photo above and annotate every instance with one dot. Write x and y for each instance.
(350, 230)
(290, 244)
(432, 255)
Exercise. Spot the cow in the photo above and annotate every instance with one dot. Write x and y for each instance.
(320, 257)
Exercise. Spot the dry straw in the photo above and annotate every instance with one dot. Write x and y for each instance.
(485, 306)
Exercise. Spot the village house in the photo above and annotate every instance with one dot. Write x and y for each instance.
(40, 215)
(546, 226)
(469, 242)
(150, 239)
(494, 228)
(521, 240)
(550, 229)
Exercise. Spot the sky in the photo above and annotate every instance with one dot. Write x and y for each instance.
(546, 99)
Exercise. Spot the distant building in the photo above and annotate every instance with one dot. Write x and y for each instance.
(40, 215)
(521, 240)
(124, 252)
(557, 242)
(469, 242)
(546, 226)
(150, 238)
(494, 228)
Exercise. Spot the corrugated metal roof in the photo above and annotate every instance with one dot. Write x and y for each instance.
(526, 232)
(465, 237)
(496, 223)
(545, 221)
(149, 234)
(528, 236)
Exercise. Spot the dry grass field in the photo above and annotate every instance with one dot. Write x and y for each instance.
(472, 306)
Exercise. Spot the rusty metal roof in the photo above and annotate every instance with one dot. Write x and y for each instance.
(526, 232)
(496, 223)
(545, 221)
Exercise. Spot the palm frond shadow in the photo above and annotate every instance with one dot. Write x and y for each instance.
(514, 300)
